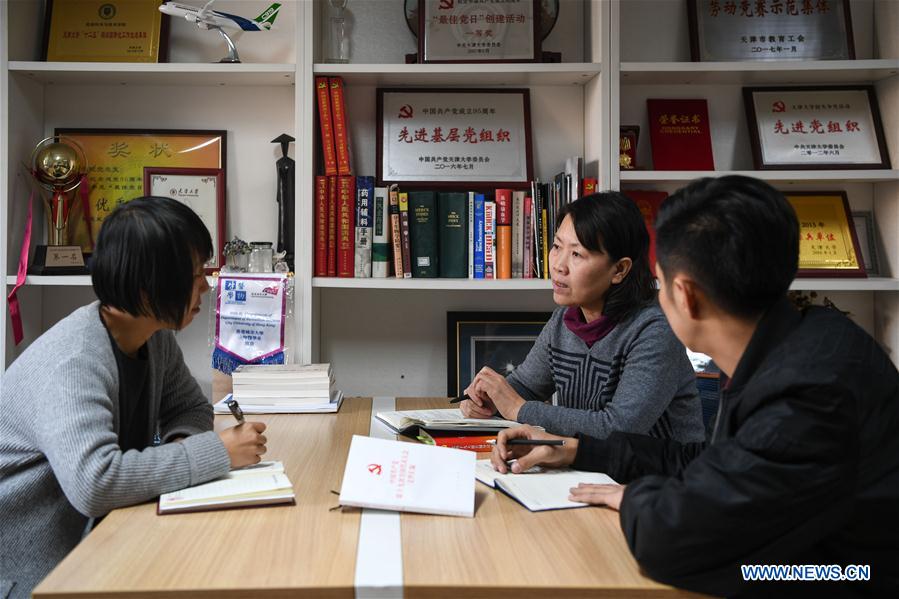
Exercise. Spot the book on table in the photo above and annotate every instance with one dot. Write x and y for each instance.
(329, 406)
(408, 477)
(540, 489)
(261, 484)
(284, 385)
(444, 419)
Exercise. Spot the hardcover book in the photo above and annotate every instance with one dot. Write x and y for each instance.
(396, 232)
(346, 226)
(341, 131)
(365, 190)
(321, 227)
(405, 239)
(680, 136)
(423, 234)
(648, 202)
(452, 208)
(518, 234)
(326, 126)
(489, 240)
(332, 226)
(503, 233)
(380, 248)
(478, 236)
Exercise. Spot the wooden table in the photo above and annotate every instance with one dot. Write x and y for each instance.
(306, 549)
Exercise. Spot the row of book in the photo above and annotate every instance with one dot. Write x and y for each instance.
(332, 118)
(365, 231)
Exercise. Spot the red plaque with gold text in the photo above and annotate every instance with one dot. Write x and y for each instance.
(679, 134)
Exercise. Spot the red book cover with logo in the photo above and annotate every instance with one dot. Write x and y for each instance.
(323, 94)
(321, 227)
(346, 225)
(680, 136)
(648, 202)
(332, 226)
(503, 234)
(341, 132)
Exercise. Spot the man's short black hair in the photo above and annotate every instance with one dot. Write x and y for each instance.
(611, 223)
(736, 236)
(146, 256)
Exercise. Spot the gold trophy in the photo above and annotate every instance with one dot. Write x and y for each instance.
(58, 165)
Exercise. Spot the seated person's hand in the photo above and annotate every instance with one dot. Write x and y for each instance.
(609, 495)
(479, 406)
(245, 443)
(490, 386)
(528, 456)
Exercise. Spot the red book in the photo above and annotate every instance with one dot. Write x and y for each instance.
(326, 125)
(679, 134)
(346, 225)
(478, 444)
(589, 185)
(503, 233)
(648, 202)
(341, 133)
(332, 226)
(321, 227)
(528, 243)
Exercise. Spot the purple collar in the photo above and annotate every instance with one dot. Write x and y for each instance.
(588, 332)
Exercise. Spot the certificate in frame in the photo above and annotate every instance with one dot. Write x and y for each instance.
(203, 191)
(828, 243)
(454, 138)
(867, 241)
(820, 127)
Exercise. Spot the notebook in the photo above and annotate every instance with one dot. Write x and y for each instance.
(277, 408)
(447, 419)
(261, 484)
(408, 477)
(540, 489)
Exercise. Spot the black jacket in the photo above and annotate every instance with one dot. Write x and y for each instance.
(803, 468)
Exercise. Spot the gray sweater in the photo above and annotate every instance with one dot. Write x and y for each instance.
(636, 379)
(60, 462)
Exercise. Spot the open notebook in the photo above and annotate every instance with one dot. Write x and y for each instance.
(446, 419)
(260, 484)
(539, 489)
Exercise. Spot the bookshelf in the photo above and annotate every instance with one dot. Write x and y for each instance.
(387, 336)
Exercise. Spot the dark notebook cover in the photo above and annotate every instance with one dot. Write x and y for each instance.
(680, 136)
(452, 207)
(423, 234)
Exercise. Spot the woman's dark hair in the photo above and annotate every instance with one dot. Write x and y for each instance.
(146, 258)
(609, 222)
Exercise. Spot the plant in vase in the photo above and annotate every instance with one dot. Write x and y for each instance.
(237, 255)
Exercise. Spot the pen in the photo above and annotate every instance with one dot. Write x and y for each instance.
(460, 398)
(235, 409)
(530, 442)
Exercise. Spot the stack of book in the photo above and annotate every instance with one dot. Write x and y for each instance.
(284, 389)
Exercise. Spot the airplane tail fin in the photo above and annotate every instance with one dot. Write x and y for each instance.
(267, 18)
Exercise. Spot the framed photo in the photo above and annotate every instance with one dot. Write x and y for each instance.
(203, 191)
(867, 241)
(627, 146)
(454, 137)
(462, 31)
(828, 243)
(770, 30)
(822, 127)
(108, 31)
(500, 340)
(116, 159)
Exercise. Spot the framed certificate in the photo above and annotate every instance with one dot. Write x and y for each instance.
(454, 137)
(723, 30)
(116, 159)
(823, 127)
(828, 243)
(108, 31)
(202, 190)
(482, 31)
(867, 241)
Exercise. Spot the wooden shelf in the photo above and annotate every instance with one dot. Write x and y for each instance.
(869, 176)
(62, 281)
(461, 74)
(758, 72)
(112, 73)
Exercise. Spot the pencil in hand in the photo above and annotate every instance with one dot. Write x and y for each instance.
(459, 399)
(554, 442)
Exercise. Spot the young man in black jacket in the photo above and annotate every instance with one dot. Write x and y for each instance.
(803, 465)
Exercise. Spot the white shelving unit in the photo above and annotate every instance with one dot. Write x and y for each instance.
(388, 336)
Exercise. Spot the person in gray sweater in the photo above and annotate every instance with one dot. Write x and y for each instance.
(608, 352)
(101, 412)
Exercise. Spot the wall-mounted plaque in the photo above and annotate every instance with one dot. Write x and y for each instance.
(722, 30)
(828, 244)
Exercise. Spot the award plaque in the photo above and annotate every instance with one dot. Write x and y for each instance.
(200, 189)
(867, 241)
(680, 135)
(722, 30)
(627, 147)
(479, 31)
(454, 138)
(107, 31)
(828, 244)
(824, 127)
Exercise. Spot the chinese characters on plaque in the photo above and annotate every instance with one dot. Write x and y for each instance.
(828, 245)
(722, 30)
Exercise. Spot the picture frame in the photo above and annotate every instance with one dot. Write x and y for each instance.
(109, 31)
(485, 136)
(731, 31)
(549, 14)
(863, 221)
(828, 243)
(203, 191)
(844, 127)
(495, 339)
(116, 159)
(454, 31)
(628, 137)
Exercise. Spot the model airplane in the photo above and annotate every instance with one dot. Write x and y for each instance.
(206, 18)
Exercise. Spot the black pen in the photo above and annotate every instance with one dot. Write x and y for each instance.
(235, 410)
(530, 442)
(460, 398)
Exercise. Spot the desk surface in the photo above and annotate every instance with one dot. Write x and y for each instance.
(307, 549)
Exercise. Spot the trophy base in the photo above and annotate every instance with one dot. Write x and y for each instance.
(57, 260)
